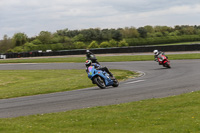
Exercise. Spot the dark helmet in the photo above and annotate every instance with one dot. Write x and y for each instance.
(88, 63)
(88, 52)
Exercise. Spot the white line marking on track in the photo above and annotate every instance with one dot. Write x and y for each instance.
(132, 82)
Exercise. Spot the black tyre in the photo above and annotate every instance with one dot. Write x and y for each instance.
(167, 65)
(99, 82)
(115, 83)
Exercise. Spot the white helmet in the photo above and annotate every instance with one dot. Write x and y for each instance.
(155, 52)
(88, 63)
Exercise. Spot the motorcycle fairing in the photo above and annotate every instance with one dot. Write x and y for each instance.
(92, 72)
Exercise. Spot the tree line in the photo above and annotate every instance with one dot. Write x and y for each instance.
(66, 39)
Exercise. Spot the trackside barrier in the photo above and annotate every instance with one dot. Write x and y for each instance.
(2, 56)
(131, 49)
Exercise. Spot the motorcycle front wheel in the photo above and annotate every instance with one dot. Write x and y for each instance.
(99, 82)
(167, 65)
(115, 83)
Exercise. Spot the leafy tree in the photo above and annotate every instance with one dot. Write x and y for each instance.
(45, 37)
(198, 31)
(126, 32)
(106, 34)
(62, 32)
(5, 44)
(68, 43)
(19, 39)
(69, 39)
(5, 38)
(116, 35)
(149, 29)
(189, 30)
(30, 39)
(79, 37)
(72, 33)
(129, 32)
(163, 29)
(175, 33)
(91, 34)
(36, 41)
(142, 31)
(158, 34)
(186, 29)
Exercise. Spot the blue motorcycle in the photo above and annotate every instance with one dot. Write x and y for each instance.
(101, 78)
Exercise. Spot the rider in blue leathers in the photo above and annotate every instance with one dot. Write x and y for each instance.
(97, 67)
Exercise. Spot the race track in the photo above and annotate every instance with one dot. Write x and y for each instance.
(155, 82)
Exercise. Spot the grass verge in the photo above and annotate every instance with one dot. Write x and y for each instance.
(173, 114)
(16, 83)
(177, 114)
(102, 58)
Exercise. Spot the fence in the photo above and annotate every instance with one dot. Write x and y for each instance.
(133, 49)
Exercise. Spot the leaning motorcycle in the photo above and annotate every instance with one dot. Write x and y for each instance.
(163, 60)
(101, 78)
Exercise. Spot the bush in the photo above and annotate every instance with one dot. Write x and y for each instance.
(58, 46)
(105, 45)
(113, 43)
(18, 49)
(123, 43)
(44, 47)
(80, 45)
(29, 47)
(93, 44)
(162, 40)
(10, 51)
(55, 40)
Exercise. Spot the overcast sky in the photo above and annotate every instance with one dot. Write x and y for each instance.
(32, 16)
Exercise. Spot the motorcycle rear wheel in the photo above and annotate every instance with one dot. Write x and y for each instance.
(99, 82)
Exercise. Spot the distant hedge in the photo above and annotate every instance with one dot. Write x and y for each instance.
(162, 40)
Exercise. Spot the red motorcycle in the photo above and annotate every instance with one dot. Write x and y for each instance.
(163, 60)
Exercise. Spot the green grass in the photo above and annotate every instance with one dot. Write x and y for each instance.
(16, 83)
(177, 114)
(184, 56)
(44, 60)
(145, 57)
(102, 58)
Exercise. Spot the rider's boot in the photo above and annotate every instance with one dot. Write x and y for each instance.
(111, 76)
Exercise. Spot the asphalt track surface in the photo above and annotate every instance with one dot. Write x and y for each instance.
(155, 82)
